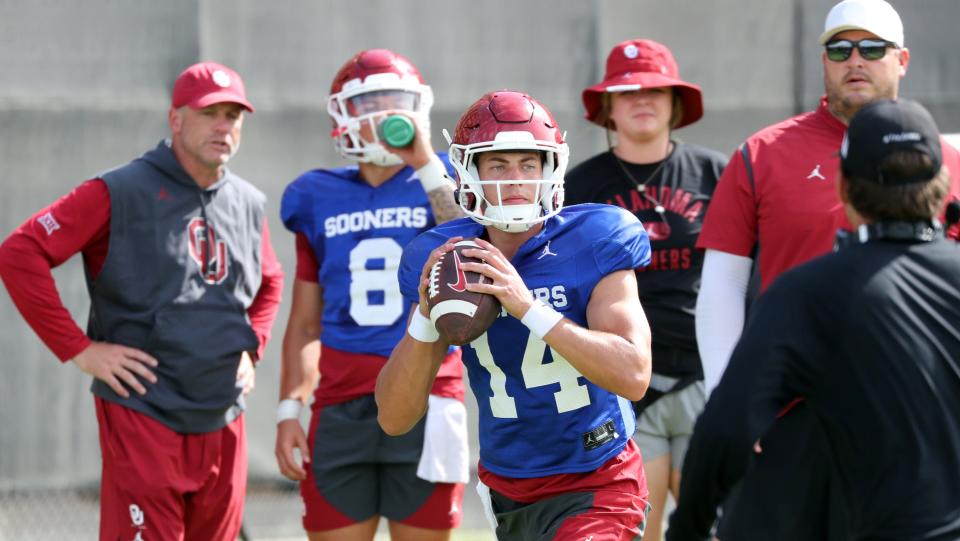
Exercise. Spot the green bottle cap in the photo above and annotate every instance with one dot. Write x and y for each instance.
(397, 131)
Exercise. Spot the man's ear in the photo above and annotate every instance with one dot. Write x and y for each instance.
(904, 61)
(174, 120)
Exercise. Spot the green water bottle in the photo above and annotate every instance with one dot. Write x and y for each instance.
(397, 131)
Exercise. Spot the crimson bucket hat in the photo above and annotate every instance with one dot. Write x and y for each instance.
(643, 63)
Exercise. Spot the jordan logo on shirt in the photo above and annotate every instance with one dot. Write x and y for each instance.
(546, 251)
(815, 174)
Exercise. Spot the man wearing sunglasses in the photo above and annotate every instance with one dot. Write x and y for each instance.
(776, 203)
(868, 335)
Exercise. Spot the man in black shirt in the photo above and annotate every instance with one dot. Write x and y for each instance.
(869, 336)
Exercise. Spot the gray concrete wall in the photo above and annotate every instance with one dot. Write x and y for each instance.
(84, 86)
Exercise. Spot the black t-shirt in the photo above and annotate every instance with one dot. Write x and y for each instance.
(870, 336)
(682, 184)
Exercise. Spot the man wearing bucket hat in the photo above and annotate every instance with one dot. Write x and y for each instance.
(667, 184)
(777, 201)
(184, 287)
(868, 335)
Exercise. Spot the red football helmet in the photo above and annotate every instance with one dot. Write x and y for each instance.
(505, 121)
(370, 83)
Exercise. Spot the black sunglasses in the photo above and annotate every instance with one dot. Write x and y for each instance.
(870, 49)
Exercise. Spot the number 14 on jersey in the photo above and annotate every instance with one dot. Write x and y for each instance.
(536, 373)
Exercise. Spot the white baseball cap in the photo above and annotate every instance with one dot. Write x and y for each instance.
(875, 16)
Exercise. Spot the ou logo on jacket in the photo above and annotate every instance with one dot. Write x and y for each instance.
(212, 263)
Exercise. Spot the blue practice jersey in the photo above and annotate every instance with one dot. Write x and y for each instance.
(538, 415)
(358, 233)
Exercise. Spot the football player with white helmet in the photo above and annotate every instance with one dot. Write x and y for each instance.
(368, 85)
(351, 224)
(553, 375)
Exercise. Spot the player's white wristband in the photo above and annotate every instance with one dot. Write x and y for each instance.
(434, 175)
(422, 329)
(288, 409)
(540, 318)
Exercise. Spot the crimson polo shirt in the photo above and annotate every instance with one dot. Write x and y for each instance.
(791, 212)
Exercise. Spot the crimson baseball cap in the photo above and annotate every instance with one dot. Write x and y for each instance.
(207, 83)
(643, 63)
(882, 128)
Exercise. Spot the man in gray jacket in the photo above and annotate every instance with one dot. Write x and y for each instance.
(184, 287)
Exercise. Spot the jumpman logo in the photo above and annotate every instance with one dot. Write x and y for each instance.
(546, 251)
(816, 173)
(454, 510)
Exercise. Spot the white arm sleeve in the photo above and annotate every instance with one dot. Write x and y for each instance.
(721, 308)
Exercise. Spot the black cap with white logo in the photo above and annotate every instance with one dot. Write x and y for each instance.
(882, 128)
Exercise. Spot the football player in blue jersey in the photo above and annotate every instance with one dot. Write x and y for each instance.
(554, 374)
(351, 225)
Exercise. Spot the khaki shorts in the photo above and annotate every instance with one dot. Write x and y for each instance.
(667, 424)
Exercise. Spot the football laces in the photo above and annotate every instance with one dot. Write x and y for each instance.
(433, 285)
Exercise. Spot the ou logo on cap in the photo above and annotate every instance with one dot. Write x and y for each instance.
(221, 78)
(630, 51)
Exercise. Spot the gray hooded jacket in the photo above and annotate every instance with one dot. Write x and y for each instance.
(183, 266)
